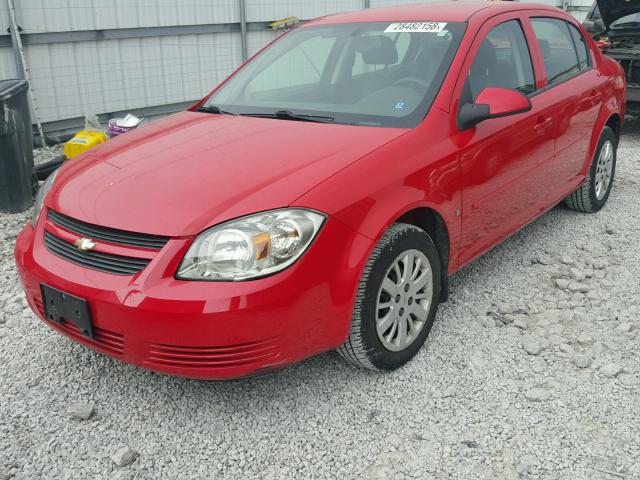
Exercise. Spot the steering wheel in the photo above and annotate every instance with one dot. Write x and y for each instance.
(411, 80)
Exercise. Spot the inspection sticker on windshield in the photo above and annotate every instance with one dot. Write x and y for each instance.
(410, 27)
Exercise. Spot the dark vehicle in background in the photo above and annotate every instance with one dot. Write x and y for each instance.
(615, 24)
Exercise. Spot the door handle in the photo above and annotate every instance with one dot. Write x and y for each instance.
(543, 125)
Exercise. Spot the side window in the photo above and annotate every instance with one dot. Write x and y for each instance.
(559, 55)
(401, 42)
(581, 46)
(296, 69)
(503, 60)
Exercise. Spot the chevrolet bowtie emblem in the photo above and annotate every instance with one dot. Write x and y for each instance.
(84, 244)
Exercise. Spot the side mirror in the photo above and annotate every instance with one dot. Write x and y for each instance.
(594, 26)
(492, 102)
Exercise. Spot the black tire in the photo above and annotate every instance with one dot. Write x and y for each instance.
(584, 199)
(363, 347)
(43, 170)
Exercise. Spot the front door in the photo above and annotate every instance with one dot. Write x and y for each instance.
(505, 162)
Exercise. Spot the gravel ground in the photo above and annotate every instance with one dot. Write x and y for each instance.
(531, 371)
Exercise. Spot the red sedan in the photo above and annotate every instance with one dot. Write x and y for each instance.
(322, 195)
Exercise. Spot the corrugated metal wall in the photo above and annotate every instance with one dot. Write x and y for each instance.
(70, 79)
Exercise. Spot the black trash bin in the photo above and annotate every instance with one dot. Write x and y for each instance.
(16, 147)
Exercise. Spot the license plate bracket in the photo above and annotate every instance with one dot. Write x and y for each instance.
(60, 306)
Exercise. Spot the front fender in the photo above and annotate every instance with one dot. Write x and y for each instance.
(417, 170)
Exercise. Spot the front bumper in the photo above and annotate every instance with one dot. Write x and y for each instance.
(207, 330)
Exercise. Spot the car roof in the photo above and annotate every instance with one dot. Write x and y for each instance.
(452, 11)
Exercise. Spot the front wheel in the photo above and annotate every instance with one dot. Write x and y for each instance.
(594, 192)
(396, 302)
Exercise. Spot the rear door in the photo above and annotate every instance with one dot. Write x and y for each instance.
(505, 162)
(573, 83)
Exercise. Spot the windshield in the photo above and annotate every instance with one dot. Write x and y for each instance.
(381, 74)
(627, 21)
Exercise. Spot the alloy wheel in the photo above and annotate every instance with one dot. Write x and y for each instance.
(404, 300)
(604, 170)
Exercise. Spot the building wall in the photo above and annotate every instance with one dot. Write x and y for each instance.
(70, 79)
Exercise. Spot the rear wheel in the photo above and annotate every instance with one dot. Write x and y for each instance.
(397, 300)
(594, 192)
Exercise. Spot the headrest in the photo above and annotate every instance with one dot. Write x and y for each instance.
(377, 50)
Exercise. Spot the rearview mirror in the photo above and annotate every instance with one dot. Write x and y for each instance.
(492, 102)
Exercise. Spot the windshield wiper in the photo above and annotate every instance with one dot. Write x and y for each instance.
(214, 109)
(288, 115)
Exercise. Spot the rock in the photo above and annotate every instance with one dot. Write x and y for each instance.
(611, 370)
(537, 394)
(486, 321)
(585, 339)
(628, 379)
(532, 346)
(450, 392)
(624, 327)
(593, 295)
(567, 260)
(576, 274)
(581, 360)
(544, 259)
(124, 456)
(600, 264)
(562, 283)
(556, 340)
(610, 230)
(520, 323)
(528, 466)
(577, 287)
(80, 410)
(477, 361)
(565, 348)
(2, 318)
(12, 322)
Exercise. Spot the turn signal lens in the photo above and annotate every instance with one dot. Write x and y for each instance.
(251, 247)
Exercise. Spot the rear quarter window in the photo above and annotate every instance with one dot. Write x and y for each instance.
(581, 47)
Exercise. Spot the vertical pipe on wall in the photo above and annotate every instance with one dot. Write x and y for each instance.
(15, 40)
(21, 64)
(243, 29)
(367, 3)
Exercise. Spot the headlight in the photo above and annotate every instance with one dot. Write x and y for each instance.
(42, 193)
(252, 246)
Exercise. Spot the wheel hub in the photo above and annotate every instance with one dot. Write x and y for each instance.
(604, 170)
(404, 300)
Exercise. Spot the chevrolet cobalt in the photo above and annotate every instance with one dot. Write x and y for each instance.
(321, 197)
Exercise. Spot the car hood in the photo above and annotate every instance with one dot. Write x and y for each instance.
(612, 10)
(192, 170)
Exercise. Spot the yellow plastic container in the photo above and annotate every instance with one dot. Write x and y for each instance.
(82, 142)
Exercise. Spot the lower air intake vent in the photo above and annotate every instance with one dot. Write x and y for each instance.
(208, 357)
(105, 340)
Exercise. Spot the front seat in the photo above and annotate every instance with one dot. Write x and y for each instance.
(483, 71)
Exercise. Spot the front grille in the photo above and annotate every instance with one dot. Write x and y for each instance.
(632, 70)
(207, 357)
(111, 235)
(103, 262)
